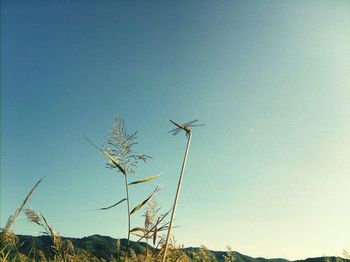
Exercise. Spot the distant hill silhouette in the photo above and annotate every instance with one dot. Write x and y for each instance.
(103, 248)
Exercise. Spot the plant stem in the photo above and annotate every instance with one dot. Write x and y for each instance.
(13, 218)
(177, 194)
(128, 202)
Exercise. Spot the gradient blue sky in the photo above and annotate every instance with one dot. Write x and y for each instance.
(269, 174)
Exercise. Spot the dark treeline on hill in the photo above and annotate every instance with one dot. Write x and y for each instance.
(103, 248)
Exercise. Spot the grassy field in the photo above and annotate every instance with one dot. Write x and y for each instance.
(155, 242)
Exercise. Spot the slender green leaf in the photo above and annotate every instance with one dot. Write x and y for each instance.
(139, 206)
(114, 161)
(108, 156)
(51, 231)
(143, 180)
(105, 208)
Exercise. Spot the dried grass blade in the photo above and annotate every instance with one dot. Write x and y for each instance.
(155, 232)
(139, 229)
(139, 206)
(119, 202)
(51, 231)
(152, 229)
(114, 162)
(105, 153)
(139, 235)
(143, 180)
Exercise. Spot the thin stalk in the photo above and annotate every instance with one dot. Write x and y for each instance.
(13, 218)
(128, 203)
(177, 194)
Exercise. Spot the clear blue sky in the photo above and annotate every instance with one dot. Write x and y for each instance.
(269, 174)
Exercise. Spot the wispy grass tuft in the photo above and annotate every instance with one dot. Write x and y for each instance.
(14, 217)
(8, 239)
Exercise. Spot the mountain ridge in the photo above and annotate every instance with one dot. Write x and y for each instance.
(102, 248)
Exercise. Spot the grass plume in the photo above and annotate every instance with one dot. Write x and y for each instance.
(14, 217)
(121, 156)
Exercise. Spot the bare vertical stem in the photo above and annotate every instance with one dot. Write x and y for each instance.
(177, 194)
(128, 203)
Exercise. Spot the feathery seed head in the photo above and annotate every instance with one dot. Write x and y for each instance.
(120, 146)
(32, 216)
